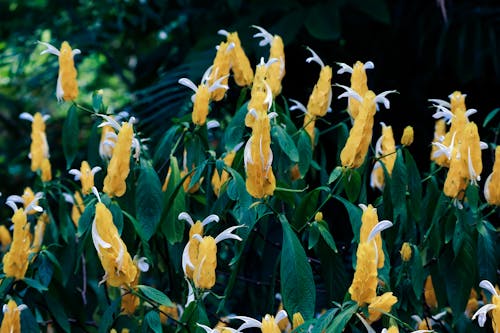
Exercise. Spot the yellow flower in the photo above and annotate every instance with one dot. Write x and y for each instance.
(240, 65)
(276, 69)
(219, 180)
(381, 304)
(269, 324)
(107, 143)
(472, 303)
(405, 251)
(191, 249)
(309, 120)
(354, 152)
(363, 289)
(39, 149)
(491, 188)
(220, 69)
(297, 320)
(385, 152)
(439, 135)
(392, 329)
(5, 237)
(369, 219)
(318, 217)
(358, 83)
(112, 251)
(11, 322)
(15, 261)
(205, 263)
(67, 87)
(119, 166)
(46, 170)
(202, 95)
(28, 199)
(42, 222)
(77, 208)
(321, 96)
(494, 307)
(407, 138)
(429, 294)
(86, 176)
(130, 301)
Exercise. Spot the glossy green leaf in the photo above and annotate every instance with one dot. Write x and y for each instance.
(323, 21)
(326, 235)
(336, 173)
(486, 252)
(305, 152)
(70, 134)
(57, 311)
(148, 201)
(174, 204)
(490, 116)
(297, 282)
(152, 321)
(285, 142)
(155, 295)
(352, 184)
(354, 213)
(340, 321)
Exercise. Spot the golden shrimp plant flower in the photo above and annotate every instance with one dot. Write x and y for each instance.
(191, 248)
(39, 148)
(86, 176)
(385, 152)
(276, 69)
(11, 322)
(112, 251)
(369, 219)
(16, 260)
(494, 307)
(29, 199)
(359, 83)
(363, 288)
(130, 302)
(220, 69)
(321, 96)
(407, 137)
(206, 259)
(220, 179)
(356, 147)
(39, 232)
(240, 65)
(269, 324)
(491, 188)
(78, 206)
(203, 95)
(119, 165)
(67, 86)
(5, 237)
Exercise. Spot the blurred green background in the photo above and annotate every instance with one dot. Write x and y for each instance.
(137, 50)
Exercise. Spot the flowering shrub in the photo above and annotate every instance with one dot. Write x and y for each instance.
(307, 237)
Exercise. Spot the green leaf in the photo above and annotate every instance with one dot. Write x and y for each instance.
(117, 214)
(341, 320)
(28, 322)
(155, 295)
(148, 201)
(35, 284)
(57, 310)
(490, 116)
(326, 235)
(70, 136)
(399, 184)
(5, 286)
(233, 133)
(486, 252)
(354, 213)
(285, 142)
(152, 320)
(305, 152)
(306, 208)
(164, 147)
(417, 271)
(378, 10)
(324, 321)
(174, 204)
(414, 186)
(336, 173)
(97, 104)
(86, 219)
(297, 282)
(352, 184)
(108, 316)
(323, 21)
(313, 235)
(198, 172)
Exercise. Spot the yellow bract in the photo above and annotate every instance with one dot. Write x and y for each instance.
(119, 166)
(407, 138)
(206, 262)
(11, 322)
(15, 262)
(405, 251)
(269, 325)
(67, 73)
(491, 188)
(241, 68)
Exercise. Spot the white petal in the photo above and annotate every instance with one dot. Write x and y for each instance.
(68, 198)
(15, 198)
(382, 99)
(212, 124)
(218, 85)
(186, 261)
(22, 307)
(267, 38)
(12, 205)
(297, 106)
(238, 146)
(227, 234)
(249, 322)
(379, 227)
(369, 65)
(76, 173)
(280, 316)
(188, 83)
(223, 32)
(59, 89)
(98, 241)
(344, 68)
(95, 170)
(5, 308)
(483, 145)
(96, 193)
(143, 264)
(247, 154)
(121, 253)
(206, 328)
(109, 121)
(487, 187)
(269, 96)
(26, 116)
(362, 206)
(481, 313)
(441, 102)
(474, 178)
(485, 284)
(314, 58)
(186, 217)
(50, 49)
(349, 93)
(209, 219)
(369, 329)
(272, 115)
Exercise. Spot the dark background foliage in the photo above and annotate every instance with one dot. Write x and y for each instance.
(137, 50)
